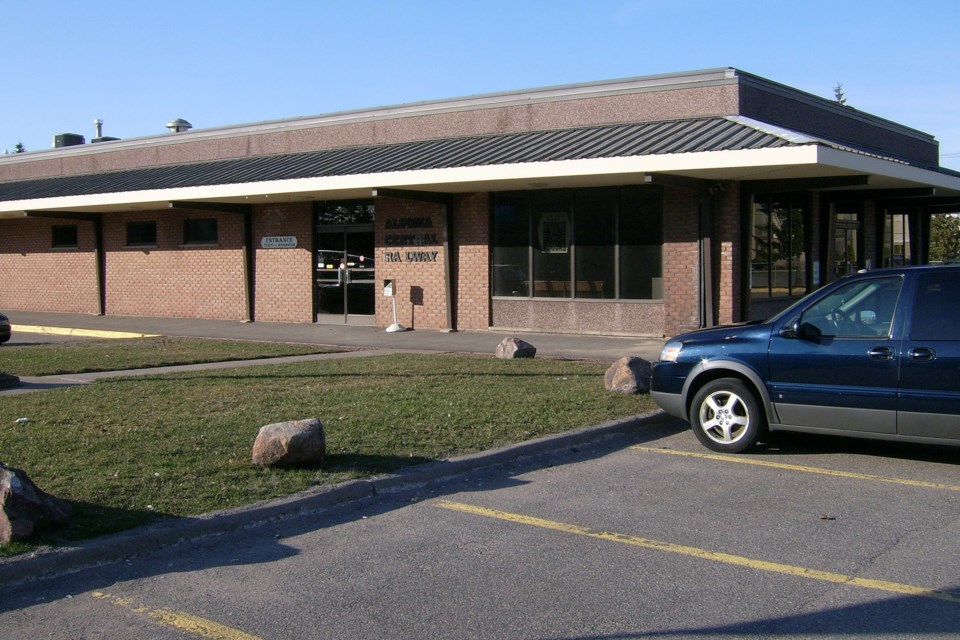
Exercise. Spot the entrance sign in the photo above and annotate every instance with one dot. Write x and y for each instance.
(278, 242)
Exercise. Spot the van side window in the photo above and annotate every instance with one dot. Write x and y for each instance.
(936, 308)
(864, 308)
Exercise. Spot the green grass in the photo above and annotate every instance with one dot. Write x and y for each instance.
(111, 355)
(129, 451)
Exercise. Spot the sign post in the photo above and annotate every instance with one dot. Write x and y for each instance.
(389, 290)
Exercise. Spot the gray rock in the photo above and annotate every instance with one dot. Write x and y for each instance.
(515, 348)
(24, 508)
(291, 443)
(629, 374)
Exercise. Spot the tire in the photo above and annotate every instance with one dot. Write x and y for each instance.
(726, 416)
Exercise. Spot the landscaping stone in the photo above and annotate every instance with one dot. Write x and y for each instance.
(515, 348)
(24, 508)
(8, 381)
(285, 444)
(629, 374)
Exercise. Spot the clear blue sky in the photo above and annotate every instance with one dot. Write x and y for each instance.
(138, 64)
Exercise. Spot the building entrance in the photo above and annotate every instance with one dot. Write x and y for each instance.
(344, 266)
(345, 275)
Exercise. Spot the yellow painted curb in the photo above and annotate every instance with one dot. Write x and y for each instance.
(85, 333)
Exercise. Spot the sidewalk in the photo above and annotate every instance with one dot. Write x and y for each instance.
(586, 347)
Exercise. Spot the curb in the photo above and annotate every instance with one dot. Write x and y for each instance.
(50, 563)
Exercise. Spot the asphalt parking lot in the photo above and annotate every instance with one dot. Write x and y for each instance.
(641, 535)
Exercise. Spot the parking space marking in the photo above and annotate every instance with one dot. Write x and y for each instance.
(85, 333)
(186, 622)
(804, 469)
(703, 554)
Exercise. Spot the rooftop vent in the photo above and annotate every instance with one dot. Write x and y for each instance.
(179, 125)
(98, 126)
(67, 140)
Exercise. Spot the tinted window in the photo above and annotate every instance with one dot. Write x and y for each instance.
(200, 231)
(141, 233)
(583, 243)
(936, 308)
(64, 236)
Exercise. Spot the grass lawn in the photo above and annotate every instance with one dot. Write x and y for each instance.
(129, 451)
(85, 356)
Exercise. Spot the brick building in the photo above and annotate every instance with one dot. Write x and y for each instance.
(643, 206)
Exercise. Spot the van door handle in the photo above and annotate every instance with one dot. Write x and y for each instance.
(923, 354)
(881, 353)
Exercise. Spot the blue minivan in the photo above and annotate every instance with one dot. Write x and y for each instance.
(875, 354)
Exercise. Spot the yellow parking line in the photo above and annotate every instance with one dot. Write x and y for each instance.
(704, 554)
(84, 333)
(195, 625)
(804, 469)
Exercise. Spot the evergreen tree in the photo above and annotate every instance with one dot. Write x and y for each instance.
(838, 94)
(944, 237)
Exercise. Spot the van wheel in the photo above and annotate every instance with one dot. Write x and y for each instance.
(725, 416)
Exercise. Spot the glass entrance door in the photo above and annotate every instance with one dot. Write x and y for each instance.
(345, 274)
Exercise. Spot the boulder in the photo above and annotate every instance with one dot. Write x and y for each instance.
(24, 508)
(285, 444)
(629, 374)
(515, 348)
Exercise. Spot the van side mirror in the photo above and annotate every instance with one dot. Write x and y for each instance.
(798, 330)
(791, 330)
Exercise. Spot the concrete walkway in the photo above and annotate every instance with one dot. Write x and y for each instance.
(588, 347)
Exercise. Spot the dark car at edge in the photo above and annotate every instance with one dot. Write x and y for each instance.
(874, 355)
(4, 328)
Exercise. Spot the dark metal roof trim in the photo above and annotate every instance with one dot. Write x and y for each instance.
(651, 138)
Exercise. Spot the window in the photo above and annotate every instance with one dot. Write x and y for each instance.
(200, 231)
(64, 236)
(344, 212)
(511, 246)
(936, 307)
(141, 234)
(551, 255)
(778, 256)
(896, 240)
(587, 243)
(846, 238)
(863, 308)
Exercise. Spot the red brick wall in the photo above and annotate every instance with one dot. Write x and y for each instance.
(681, 289)
(726, 253)
(471, 232)
(284, 277)
(36, 277)
(420, 285)
(173, 280)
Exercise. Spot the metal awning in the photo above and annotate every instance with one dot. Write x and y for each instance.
(607, 146)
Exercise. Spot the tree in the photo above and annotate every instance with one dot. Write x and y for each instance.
(944, 237)
(838, 94)
(19, 148)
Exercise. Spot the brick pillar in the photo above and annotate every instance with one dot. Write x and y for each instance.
(471, 246)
